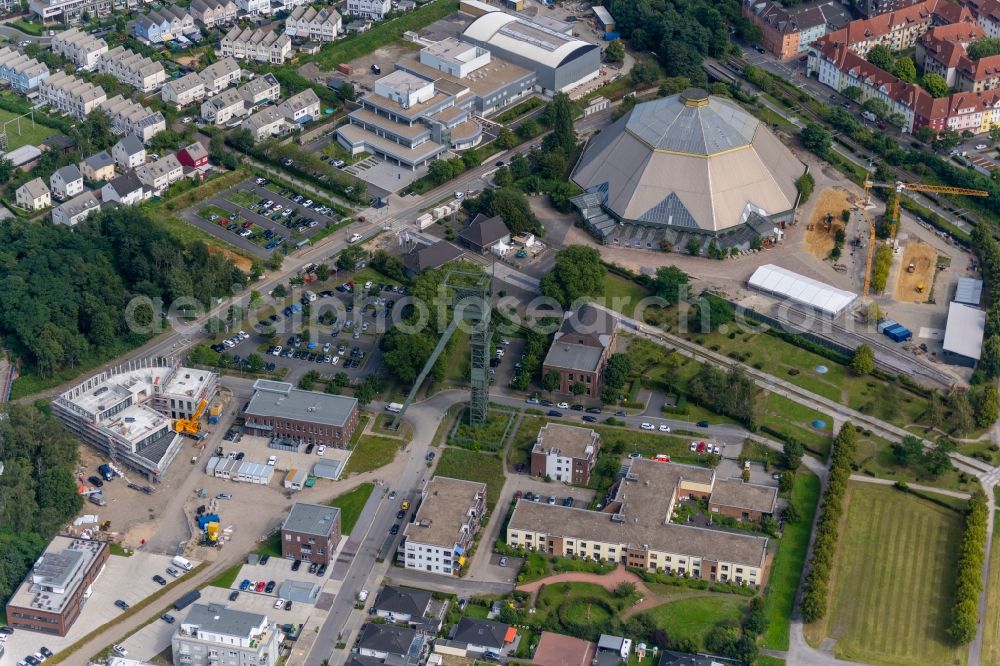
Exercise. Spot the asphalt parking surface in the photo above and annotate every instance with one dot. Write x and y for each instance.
(261, 217)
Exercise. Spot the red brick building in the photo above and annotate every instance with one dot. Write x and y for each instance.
(580, 349)
(565, 453)
(52, 596)
(311, 533)
(278, 409)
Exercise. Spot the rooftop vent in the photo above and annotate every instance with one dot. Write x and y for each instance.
(694, 97)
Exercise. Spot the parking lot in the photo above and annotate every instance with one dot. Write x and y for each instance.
(255, 449)
(127, 578)
(335, 330)
(261, 217)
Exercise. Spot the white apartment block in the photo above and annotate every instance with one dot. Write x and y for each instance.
(441, 534)
(320, 25)
(224, 107)
(80, 48)
(261, 89)
(133, 69)
(265, 123)
(161, 174)
(259, 45)
(301, 107)
(220, 75)
(213, 634)
(369, 9)
(127, 117)
(188, 89)
(71, 95)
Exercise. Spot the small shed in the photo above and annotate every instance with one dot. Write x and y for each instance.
(605, 21)
(295, 479)
(299, 591)
(251, 472)
(328, 469)
(969, 291)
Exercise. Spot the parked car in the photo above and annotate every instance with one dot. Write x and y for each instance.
(160, 579)
(394, 530)
(259, 587)
(296, 564)
(121, 604)
(120, 649)
(96, 481)
(168, 618)
(234, 595)
(503, 561)
(313, 567)
(321, 571)
(245, 585)
(647, 426)
(269, 588)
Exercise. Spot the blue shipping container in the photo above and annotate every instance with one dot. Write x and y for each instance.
(898, 333)
(611, 36)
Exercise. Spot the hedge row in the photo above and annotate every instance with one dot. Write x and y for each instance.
(969, 581)
(816, 589)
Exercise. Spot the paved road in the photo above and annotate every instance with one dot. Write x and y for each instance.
(16, 35)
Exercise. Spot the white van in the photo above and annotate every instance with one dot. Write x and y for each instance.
(183, 563)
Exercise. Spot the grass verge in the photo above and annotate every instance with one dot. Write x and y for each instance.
(786, 570)
(227, 577)
(371, 453)
(350, 504)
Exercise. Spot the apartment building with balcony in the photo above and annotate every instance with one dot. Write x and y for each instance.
(215, 635)
(565, 453)
(448, 517)
(79, 47)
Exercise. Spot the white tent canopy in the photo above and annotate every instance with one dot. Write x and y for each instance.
(783, 283)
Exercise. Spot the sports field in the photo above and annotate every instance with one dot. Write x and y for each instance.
(30, 134)
(892, 586)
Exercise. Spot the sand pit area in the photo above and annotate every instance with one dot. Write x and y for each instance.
(828, 208)
(923, 257)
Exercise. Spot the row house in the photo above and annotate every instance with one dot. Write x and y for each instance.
(254, 7)
(136, 70)
(256, 44)
(161, 174)
(128, 117)
(320, 25)
(301, 108)
(76, 210)
(369, 9)
(261, 89)
(164, 25)
(897, 30)
(80, 48)
(266, 123)
(224, 107)
(214, 13)
(788, 32)
(964, 111)
(23, 73)
(188, 89)
(942, 50)
(71, 95)
(220, 75)
(978, 75)
(987, 15)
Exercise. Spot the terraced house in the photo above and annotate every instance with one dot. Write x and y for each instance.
(369, 9)
(128, 117)
(133, 69)
(68, 94)
(321, 25)
(635, 527)
(256, 44)
(80, 48)
(24, 74)
(214, 13)
(224, 107)
(165, 24)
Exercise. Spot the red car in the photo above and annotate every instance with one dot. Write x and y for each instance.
(260, 586)
(701, 447)
(224, 222)
(247, 224)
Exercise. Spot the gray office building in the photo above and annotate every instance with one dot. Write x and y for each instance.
(215, 635)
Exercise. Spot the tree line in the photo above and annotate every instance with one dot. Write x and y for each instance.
(969, 577)
(64, 292)
(816, 588)
(987, 249)
(37, 488)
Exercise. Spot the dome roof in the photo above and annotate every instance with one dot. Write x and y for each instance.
(693, 123)
(690, 162)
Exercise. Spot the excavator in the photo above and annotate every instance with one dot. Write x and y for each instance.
(191, 426)
(899, 187)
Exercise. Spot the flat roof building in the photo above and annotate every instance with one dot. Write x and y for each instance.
(580, 349)
(210, 630)
(278, 409)
(635, 527)
(969, 290)
(963, 334)
(51, 597)
(449, 515)
(310, 533)
(565, 453)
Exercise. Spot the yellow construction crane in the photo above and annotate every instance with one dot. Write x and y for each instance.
(899, 187)
(192, 425)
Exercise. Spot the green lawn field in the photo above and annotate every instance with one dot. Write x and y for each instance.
(31, 134)
(991, 623)
(371, 453)
(694, 617)
(622, 294)
(473, 466)
(787, 566)
(350, 504)
(795, 420)
(893, 579)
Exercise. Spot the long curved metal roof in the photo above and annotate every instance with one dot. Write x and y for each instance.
(516, 34)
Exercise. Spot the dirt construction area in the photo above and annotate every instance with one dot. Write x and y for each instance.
(924, 258)
(819, 236)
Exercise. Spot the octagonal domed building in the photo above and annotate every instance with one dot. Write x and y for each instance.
(689, 165)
